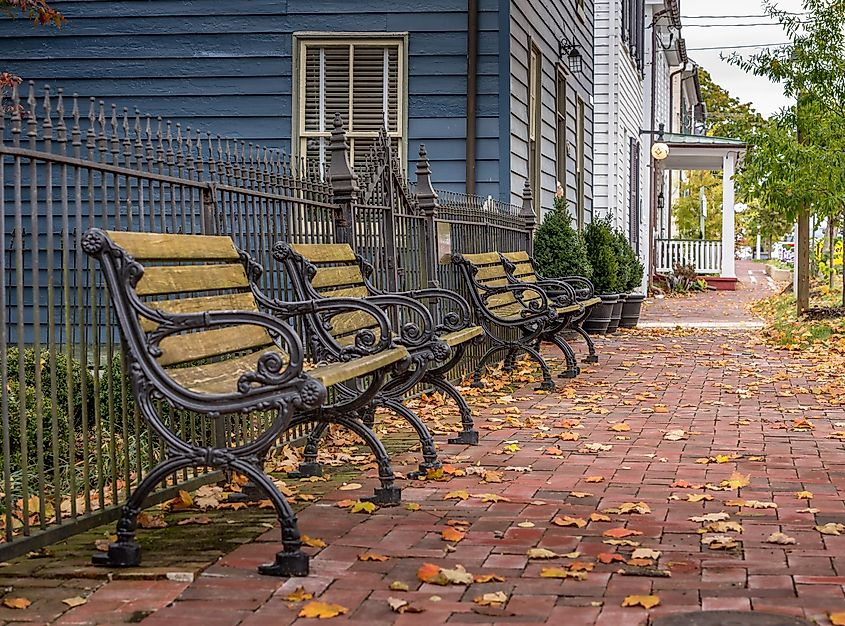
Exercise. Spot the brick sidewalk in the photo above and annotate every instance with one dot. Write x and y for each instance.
(729, 395)
(720, 308)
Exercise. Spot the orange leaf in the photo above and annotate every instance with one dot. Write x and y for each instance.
(837, 619)
(594, 479)
(313, 542)
(453, 534)
(553, 451)
(488, 578)
(609, 557)
(620, 533)
(621, 427)
(646, 602)
(16, 603)
(569, 521)
(581, 566)
(322, 610)
(371, 556)
(428, 572)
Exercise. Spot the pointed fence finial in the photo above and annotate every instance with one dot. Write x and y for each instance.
(528, 215)
(342, 177)
(426, 196)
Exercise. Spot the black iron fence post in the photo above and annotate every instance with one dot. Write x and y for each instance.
(427, 198)
(344, 184)
(529, 217)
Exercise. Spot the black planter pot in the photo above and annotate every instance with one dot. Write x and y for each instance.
(600, 315)
(616, 314)
(631, 310)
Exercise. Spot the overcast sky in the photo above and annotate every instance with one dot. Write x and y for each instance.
(724, 32)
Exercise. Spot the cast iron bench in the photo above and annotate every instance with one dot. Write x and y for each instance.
(522, 268)
(197, 340)
(433, 324)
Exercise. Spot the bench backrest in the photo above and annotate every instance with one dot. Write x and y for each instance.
(194, 274)
(523, 268)
(336, 274)
(492, 273)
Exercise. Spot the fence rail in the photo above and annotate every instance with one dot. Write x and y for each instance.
(705, 255)
(73, 444)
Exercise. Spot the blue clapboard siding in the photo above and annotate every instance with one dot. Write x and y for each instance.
(225, 67)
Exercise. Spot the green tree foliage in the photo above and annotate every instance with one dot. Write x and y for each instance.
(687, 208)
(601, 253)
(558, 247)
(726, 115)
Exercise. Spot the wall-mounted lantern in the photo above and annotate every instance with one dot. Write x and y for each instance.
(572, 52)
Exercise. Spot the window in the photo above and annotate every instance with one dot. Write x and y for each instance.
(633, 30)
(363, 80)
(560, 129)
(534, 75)
(580, 174)
(634, 193)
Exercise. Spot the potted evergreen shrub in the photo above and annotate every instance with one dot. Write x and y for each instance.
(558, 247)
(623, 259)
(634, 301)
(601, 253)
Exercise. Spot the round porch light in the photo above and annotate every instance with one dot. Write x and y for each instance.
(659, 151)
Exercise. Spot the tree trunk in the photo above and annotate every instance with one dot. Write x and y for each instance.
(830, 243)
(803, 261)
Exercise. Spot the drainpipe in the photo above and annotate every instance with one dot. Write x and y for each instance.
(680, 70)
(472, 92)
(652, 124)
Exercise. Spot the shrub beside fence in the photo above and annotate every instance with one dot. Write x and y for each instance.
(72, 442)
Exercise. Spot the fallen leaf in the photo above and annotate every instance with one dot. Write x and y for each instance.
(675, 435)
(412, 506)
(699, 497)
(372, 556)
(620, 533)
(711, 517)
(398, 605)
(620, 428)
(75, 601)
(646, 553)
(569, 521)
(719, 542)
(580, 494)
(322, 610)
(313, 542)
(831, 528)
(804, 495)
(559, 572)
(594, 479)
(599, 517)
(299, 595)
(145, 520)
(349, 487)
(647, 602)
(488, 578)
(736, 481)
(837, 619)
(16, 603)
(398, 585)
(609, 557)
(582, 566)
(497, 598)
(553, 451)
(200, 520)
(492, 497)
(526, 524)
(541, 553)
(780, 538)
(453, 535)
(363, 507)
(461, 494)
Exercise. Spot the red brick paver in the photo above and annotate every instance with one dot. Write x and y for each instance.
(735, 403)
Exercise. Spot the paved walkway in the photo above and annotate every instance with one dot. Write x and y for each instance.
(714, 309)
(663, 475)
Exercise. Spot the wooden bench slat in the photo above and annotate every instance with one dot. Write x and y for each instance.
(324, 252)
(491, 271)
(483, 258)
(170, 279)
(222, 377)
(169, 247)
(516, 257)
(187, 347)
(345, 292)
(351, 322)
(337, 277)
(243, 301)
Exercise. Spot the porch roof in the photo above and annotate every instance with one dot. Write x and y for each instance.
(699, 152)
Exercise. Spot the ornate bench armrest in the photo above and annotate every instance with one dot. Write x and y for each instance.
(411, 334)
(558, 290)
(534, 311)
(448, 318)
(367, 341)
(582, 286)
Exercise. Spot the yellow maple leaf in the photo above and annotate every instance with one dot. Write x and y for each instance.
(298, 595)
(363, 507)
(837, 619)
(322, 610)
(804, 495)
(566, 520)
(737, 481)
(16, 603)
(647, 602)
(620, 428)
(313, 542)
(372, 556)
(594, 479)
(461, 494)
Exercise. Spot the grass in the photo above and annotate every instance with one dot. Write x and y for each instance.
(786, 330)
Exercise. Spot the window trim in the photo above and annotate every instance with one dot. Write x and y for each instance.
(303, 39)
(561, 128)
(580, 160)
(535, 122)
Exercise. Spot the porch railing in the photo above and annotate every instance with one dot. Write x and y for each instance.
(705, 255)
(71, 440)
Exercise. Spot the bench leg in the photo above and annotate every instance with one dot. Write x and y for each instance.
(510, 360)
(125, 552)
(548, 384)
(429, 451)
(468, 435)
(592, 357)
(482, 363)
(291, 560)
(572, 369)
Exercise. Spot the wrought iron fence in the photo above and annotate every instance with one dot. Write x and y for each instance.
(72, 442)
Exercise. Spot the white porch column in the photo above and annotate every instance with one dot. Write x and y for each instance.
(728, 216)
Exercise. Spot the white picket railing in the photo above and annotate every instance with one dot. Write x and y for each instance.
(704, 254)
